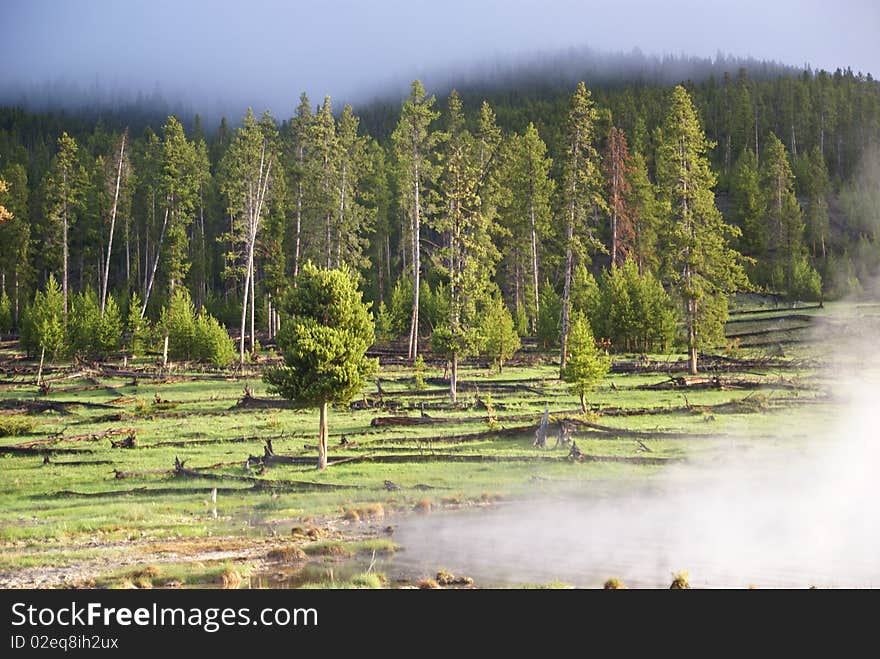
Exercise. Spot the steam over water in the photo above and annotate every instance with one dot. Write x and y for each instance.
(796, 511)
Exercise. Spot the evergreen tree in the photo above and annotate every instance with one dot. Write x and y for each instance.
(324, 339)
(64, 186)
(526, 216)
(783, 219)
(748, 203)
(587, 365)
(414, 143)
(645, 209)
(468, 256)
(816, 192)
(618, 169)
(249, 165)
(498, 334)
(581, 194)
(700, 266)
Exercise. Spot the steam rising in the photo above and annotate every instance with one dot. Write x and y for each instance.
(796, 510)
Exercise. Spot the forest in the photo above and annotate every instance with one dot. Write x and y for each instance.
(500, 212)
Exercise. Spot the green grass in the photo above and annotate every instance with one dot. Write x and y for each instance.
(42, 524)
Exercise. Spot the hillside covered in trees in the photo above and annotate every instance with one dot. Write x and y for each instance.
(636, 203)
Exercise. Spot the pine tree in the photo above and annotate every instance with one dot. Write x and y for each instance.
(527, 214)
(618, 169)
(324, 339)
(581, 192)
(299, 134)
(783, 218)
(643, 204)
(414, 143)
(468, 256)
(816, 189)
(353, 220)
(700, 266)
(748, 203)
(498, 334)
(249, 164)
(586, 366)
(64, 186)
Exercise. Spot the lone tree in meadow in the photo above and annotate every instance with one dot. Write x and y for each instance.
(586, 365)
(324, 340)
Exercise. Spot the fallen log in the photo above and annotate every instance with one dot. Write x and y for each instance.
(382, 421)
(41, 450)
(76, 438)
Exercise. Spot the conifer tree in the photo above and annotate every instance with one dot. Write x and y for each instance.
(701, 266)
(323, 338)
(64, 186)
(587, 365)
(618, 169)
(414, 143)
(581, 194)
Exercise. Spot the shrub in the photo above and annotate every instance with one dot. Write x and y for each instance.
(137, 329)
(89, 336)
(586, 365)
(178, 320)
(43, 322)
(549, 316)
(498, 335)
(211, 342)
(384, 326)
(15, 424)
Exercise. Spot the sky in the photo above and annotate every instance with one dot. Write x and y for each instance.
(263, 53)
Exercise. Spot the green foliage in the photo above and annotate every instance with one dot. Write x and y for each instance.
(498, 334)
(805, 282)
(400, 308)
(384, 324)
(6, 320)
(585, 294)
(586, 365)
(211, 342)
(419, 372)
(521, 321)
(89, 336)
(324, 341)
(178, 321)
(12, 425)
(634, 311)
(191, 336)
(550, 316)
(137, 329)
(43, 323)
(701, 266)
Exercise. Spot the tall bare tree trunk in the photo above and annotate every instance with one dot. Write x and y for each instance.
(155, 264)
(112, 227)
(244, 306)
(253, 306)
(322, 438)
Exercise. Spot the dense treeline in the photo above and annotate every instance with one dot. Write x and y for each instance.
(456, 216)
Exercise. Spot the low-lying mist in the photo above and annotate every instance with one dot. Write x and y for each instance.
(794, 510)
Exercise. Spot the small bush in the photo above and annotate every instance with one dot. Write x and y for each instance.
(211, 342)
(43, 323)
(12, 425)
(419, 372)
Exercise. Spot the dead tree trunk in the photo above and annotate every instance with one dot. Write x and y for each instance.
(112, 226)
